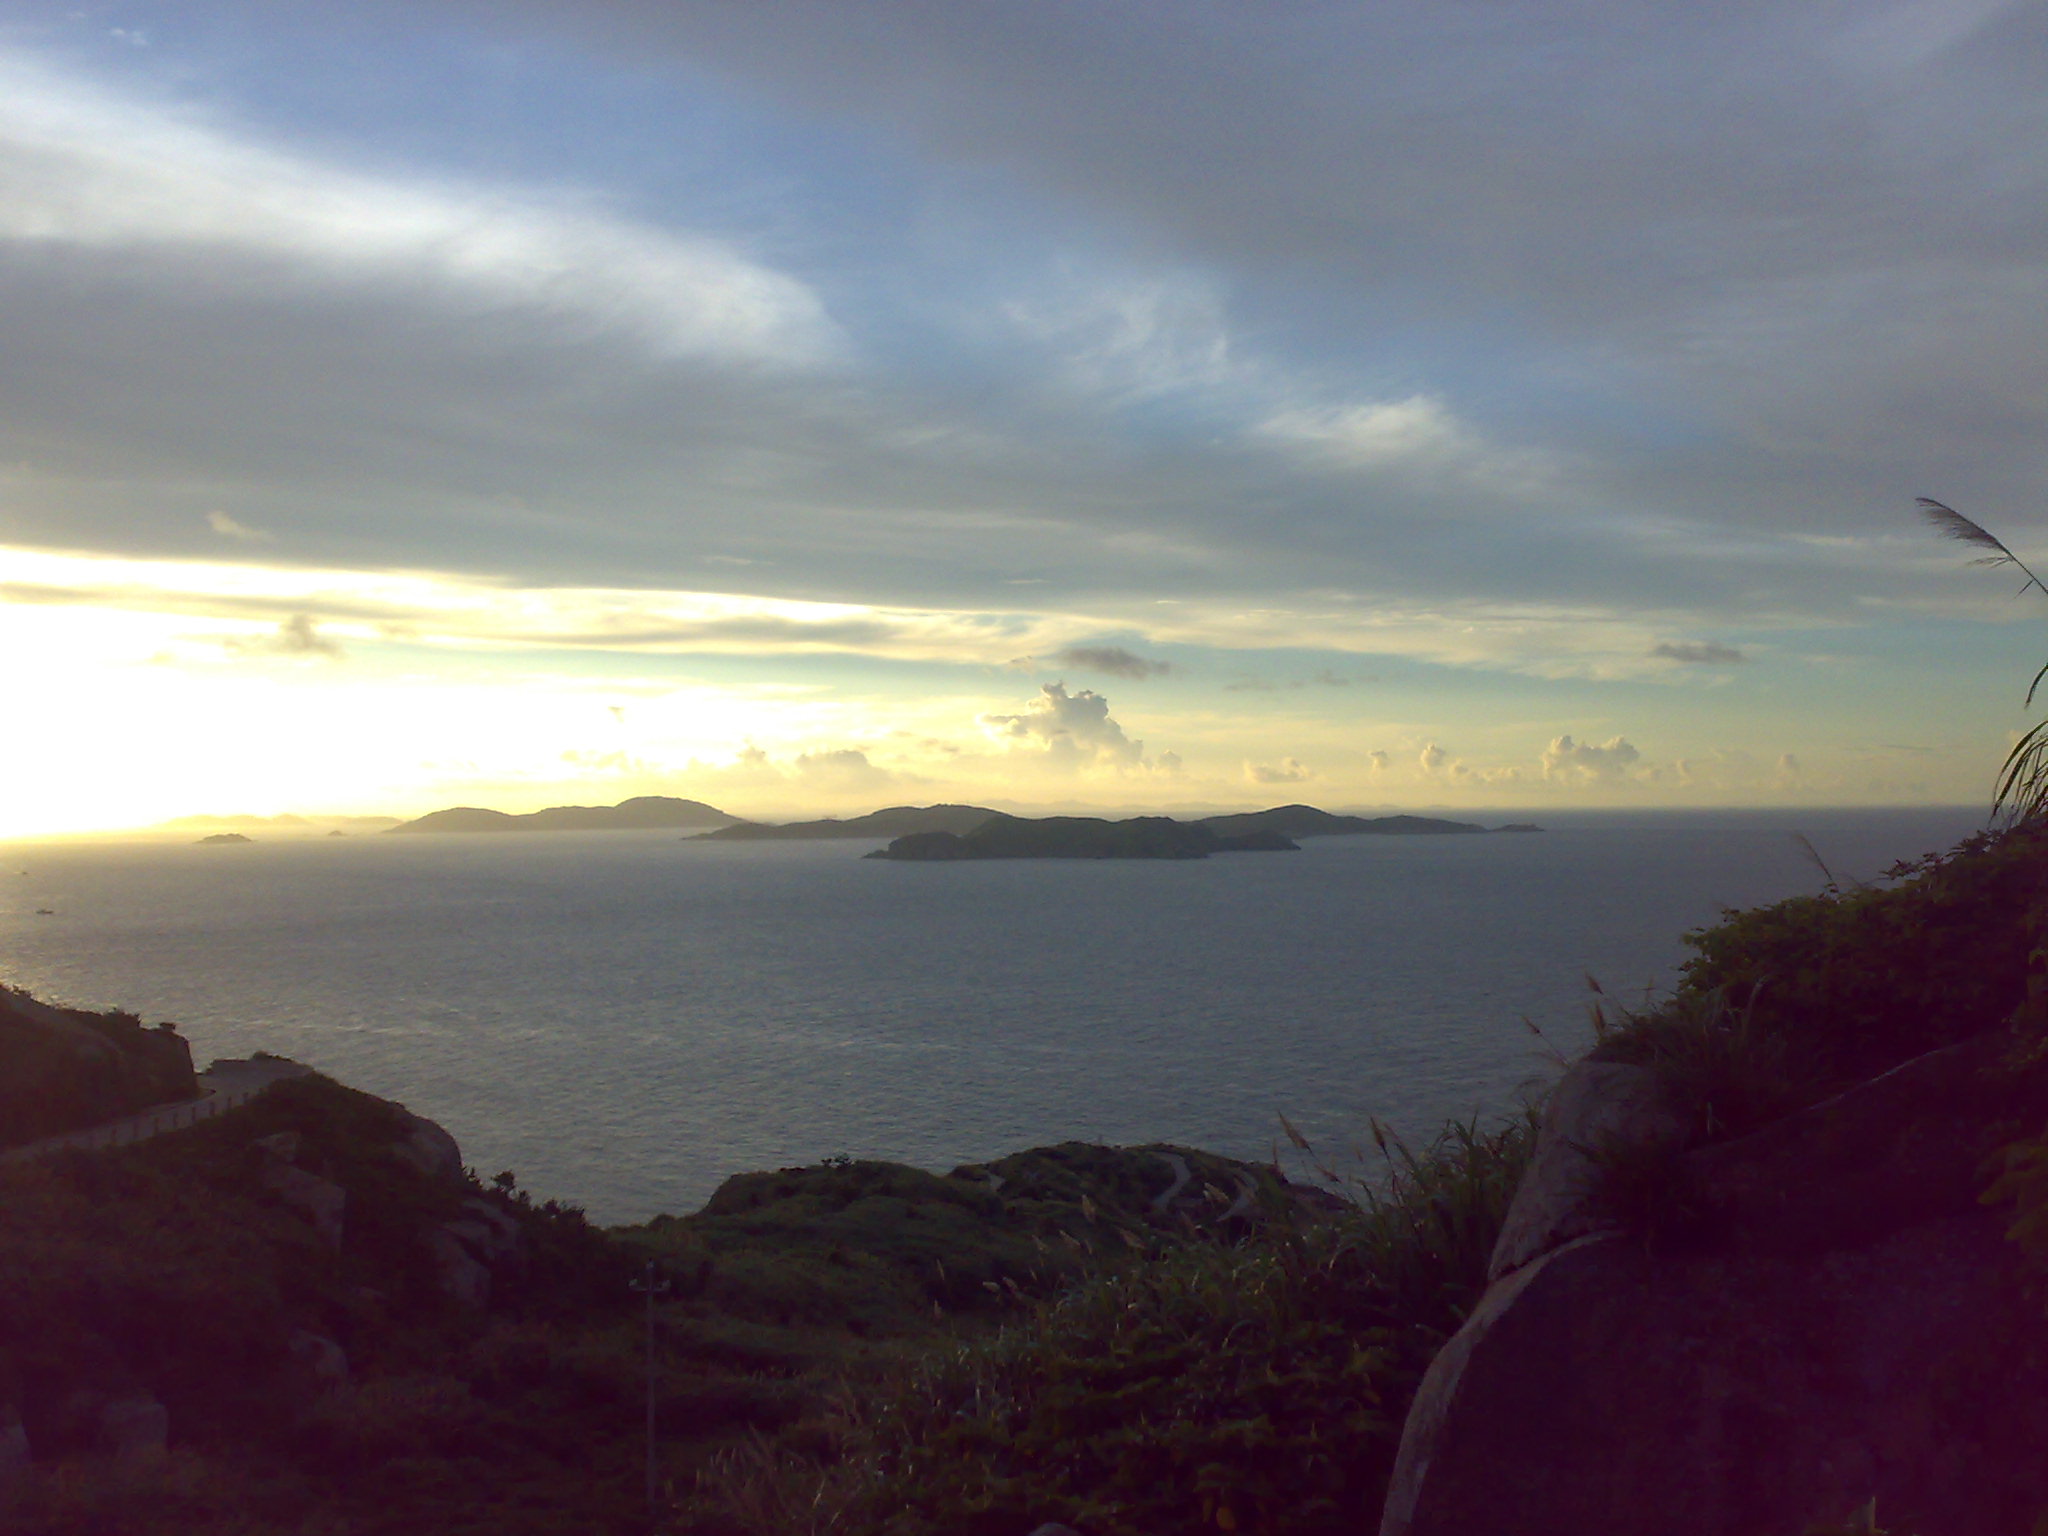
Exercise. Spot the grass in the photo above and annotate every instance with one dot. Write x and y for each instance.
(1253, 1385)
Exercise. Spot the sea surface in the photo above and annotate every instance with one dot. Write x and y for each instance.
(625, 1019)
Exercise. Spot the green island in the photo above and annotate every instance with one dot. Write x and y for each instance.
(1772, 1249)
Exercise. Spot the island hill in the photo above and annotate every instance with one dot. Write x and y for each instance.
(947, 832)
(643, 813)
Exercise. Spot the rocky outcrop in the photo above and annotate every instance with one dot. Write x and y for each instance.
(429, 1148)
(468, 1250)
(66, 1068)
(1597, 1110)
(1836, 1318)
(321, 1201)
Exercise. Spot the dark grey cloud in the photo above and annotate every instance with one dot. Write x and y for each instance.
(1111, 659)
(1799, 239)
(1703, 653)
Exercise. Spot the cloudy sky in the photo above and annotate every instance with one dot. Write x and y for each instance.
(812, 406)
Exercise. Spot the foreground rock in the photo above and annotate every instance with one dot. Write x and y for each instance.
(1768, 1334)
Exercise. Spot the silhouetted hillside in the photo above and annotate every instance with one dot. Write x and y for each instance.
(644, 813)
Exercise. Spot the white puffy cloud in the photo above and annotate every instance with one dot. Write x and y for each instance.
(1073, 730)
(1433, 759)
(842, 771)
(1571, 762)
(1288, 770)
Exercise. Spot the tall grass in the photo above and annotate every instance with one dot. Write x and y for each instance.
(1255, 1386)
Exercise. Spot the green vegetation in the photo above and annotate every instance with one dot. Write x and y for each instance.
(1784, 1004)
(1255, 1385)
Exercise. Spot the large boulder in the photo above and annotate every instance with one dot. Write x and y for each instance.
(1837, 1318)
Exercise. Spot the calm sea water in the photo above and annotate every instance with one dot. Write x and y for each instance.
(626, 1019)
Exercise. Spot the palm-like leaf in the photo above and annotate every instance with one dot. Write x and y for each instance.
(1951, 524)
(2023, 781)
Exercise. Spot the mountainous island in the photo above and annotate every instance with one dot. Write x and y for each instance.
(1083, 837)
(924, 831)
(895, 821)
(643, 813)
(944, 832)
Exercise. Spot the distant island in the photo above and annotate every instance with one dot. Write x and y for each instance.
(643, 813)
(288, 825)
(999, 836)
(895, 821)
(965, 831)
(1083, 837)
(1307, 821)
(225, 837)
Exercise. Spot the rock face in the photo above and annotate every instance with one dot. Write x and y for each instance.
(322, 1202)
(468, 1249)
(1841, 1320)
(1597, 1106)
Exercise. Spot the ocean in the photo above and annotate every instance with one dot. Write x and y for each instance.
(626, 1019)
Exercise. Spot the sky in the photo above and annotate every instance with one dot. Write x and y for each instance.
(825, 404)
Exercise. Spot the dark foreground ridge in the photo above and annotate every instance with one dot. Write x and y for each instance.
(644, 813)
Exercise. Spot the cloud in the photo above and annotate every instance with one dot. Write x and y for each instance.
(1698, 653)
(1433, 759)
(1570, 762)
(88, 170)
(228, 528)
(843, 770)
(1111, 659)
(1385, 432)
(1135, 338)
(1072, 730)
(1378, 760)
(1287, 771)
(298, 635)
